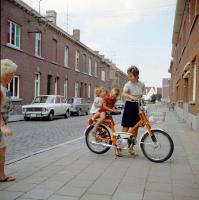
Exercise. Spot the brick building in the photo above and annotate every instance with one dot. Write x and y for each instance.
(184, 66)
(50, 61)
(165, 89)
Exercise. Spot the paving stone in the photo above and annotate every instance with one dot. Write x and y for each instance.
(21, 187)
(95, 197)
(59, 197)
(71, 191)
(38, 194)
(7, 195)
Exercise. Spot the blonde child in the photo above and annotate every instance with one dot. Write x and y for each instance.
(108, 105)
(97, 104)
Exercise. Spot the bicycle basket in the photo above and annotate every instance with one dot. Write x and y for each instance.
(156, 117)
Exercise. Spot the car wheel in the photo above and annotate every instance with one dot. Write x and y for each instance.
(51, 116)
(26, 118)
(67, 114)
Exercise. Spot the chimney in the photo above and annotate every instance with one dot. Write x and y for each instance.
(76, 34)
(51, 16)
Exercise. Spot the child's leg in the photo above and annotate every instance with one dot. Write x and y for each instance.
(100, 120)
(96, 115)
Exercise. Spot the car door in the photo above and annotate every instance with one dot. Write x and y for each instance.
(63, 106)
(57, 105)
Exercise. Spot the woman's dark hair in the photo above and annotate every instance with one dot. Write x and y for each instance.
(134, 70)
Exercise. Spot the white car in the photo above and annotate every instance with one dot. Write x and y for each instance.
(47, 106)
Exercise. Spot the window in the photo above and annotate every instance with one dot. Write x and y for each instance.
(77, 60)
(84, 63)
(65, 88)
(95, 69)
(90, 67)
(54, 49)
(103, 76)
(194, 82)
(66, 57)
(13, 34)
(37, 84)
(89, 91)
(13, 87)
(38, 44)
(76, 89)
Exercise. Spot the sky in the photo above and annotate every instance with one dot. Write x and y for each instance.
(128, 32)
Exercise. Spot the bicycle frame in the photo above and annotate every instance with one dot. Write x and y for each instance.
(132, 130)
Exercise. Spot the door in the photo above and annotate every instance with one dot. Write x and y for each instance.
(58, 106)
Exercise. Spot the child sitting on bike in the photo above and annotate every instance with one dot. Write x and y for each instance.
(97, 104)
(107, 105)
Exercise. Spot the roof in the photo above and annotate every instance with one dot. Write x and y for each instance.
(34, 13)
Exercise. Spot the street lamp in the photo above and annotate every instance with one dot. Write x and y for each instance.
(39, 5)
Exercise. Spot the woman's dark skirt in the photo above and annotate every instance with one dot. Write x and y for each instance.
(131, 114)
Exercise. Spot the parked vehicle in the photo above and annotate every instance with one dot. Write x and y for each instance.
(47, 106)
(79, 106)
(119, 104)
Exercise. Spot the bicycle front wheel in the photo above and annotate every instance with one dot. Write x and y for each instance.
(157, 148)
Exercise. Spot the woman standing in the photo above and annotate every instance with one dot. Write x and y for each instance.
(8, 68)
(132, 92)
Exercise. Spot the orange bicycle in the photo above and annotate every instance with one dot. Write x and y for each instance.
(156, 144)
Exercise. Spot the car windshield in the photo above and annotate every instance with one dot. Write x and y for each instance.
(44, 99)
(70, 100)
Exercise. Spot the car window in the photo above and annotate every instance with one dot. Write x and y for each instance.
(70, 100)
(77, 100)
(44, 99)
(57, 100)
(63, 100)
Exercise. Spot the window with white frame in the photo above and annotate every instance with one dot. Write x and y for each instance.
(37, 84)
(103, 75)
(89, 91)
(38, 44)
(90, 67)
(65, 88)
(13, 34)
(194, 83)
(76, 89)
(77, 60)
(95, 69)
(66, 51)
(13, 87)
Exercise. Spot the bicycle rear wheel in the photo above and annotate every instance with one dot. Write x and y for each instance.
(157, 148)
(100, 142)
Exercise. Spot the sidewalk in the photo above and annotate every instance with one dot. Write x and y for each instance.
(72, 172)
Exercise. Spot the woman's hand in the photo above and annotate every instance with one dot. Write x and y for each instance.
(6, 130)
